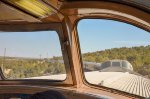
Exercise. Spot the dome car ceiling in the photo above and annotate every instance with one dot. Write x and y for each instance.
(141, 4)
(6, 15)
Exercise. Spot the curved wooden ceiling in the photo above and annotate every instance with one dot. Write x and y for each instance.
(141, 4)
(13, 14)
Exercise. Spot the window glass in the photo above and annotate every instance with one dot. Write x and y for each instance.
(120, 54)
(116, 64)
(125, 64)
(31, 55)
(105, 65)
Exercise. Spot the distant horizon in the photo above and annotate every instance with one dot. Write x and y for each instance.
(82, 53)
(29, 57)
(117, 48)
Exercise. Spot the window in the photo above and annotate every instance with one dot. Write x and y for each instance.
(116, 64)
(105, 65)
(122, 52)
(31, 55)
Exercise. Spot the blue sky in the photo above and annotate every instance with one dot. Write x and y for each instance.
(94, 35)
(101, 34)
(30, 44)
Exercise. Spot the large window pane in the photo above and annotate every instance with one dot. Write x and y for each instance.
(115, 55)
(31, 55)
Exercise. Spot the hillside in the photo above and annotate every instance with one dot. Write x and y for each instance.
(139, 57)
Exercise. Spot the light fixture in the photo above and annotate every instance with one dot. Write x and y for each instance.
(35, 7)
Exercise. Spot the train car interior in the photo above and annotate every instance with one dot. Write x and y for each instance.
(75, 49)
